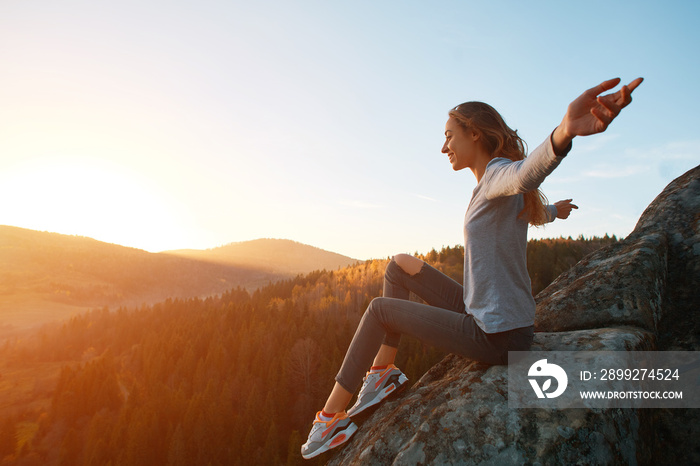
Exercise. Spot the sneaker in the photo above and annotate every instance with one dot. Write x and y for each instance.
(377, 387)
(325, 435)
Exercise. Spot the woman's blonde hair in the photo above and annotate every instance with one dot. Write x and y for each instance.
(501, 141)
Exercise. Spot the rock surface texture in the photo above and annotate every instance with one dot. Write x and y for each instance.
(640, 294)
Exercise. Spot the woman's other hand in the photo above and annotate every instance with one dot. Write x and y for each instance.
(564, 208)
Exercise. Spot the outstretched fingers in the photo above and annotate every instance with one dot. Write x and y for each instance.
(604, 86)
(610, 105)
(621, 98)
(633, 85)
(592, 112)
(627, 91)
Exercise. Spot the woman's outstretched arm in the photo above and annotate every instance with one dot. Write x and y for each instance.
(591, 112)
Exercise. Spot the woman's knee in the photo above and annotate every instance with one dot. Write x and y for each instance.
(409, 264)
(376, 306)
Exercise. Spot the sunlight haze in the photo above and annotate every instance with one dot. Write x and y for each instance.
(171, 125)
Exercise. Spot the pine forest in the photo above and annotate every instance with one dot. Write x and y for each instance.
(232, 379)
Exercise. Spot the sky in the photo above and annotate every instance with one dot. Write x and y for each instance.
(194, 124)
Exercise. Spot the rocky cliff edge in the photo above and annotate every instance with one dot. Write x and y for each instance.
(640, 294)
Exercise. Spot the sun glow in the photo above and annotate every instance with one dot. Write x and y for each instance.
(87, 197)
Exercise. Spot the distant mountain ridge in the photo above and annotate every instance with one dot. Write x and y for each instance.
(276, 255)
(46, 276)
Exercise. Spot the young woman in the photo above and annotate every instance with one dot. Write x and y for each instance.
(493, 312)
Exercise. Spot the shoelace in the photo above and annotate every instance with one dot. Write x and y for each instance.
(367, 380)
(318, 425)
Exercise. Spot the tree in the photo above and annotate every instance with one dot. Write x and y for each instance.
(302, 365)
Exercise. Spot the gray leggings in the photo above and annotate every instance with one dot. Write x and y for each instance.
(442, 323)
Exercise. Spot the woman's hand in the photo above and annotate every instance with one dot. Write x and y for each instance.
(564, 208)
(591, 112)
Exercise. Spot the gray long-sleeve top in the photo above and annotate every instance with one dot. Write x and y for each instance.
(497, 289)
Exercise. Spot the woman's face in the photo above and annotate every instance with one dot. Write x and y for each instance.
(460, 145)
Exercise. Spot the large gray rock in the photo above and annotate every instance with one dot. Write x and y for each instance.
(653, 273)
(639, 294)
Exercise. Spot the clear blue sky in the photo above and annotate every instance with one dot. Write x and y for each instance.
(186, 124)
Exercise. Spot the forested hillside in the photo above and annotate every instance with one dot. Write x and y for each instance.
(234, 379)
